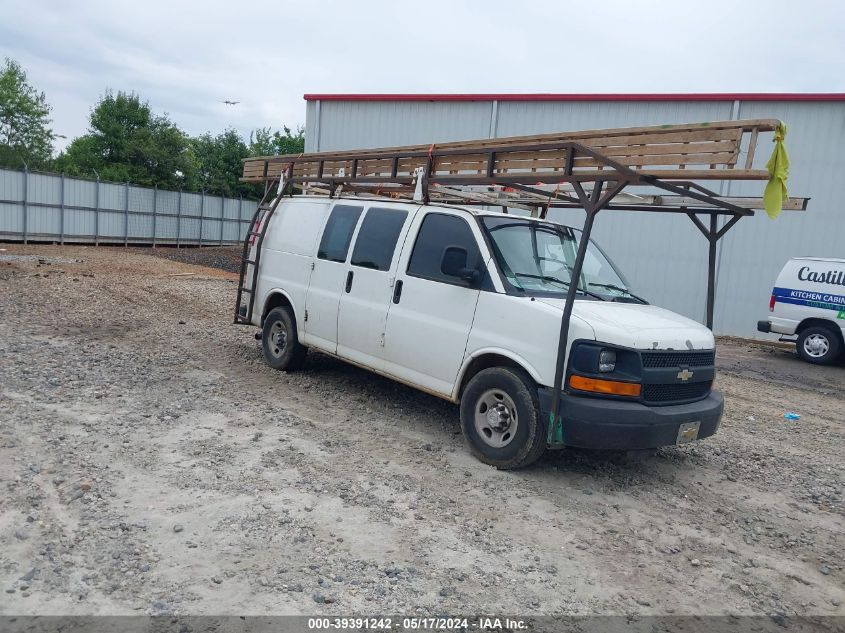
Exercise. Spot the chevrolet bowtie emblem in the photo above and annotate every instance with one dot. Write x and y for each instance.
(685, 374)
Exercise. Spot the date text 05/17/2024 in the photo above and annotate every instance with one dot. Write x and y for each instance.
(415, 623)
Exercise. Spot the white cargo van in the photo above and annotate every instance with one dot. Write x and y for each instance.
(809, 300)
(467, 305)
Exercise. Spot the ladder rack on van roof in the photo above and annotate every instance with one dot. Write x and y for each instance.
(587, 170)
(539, 172)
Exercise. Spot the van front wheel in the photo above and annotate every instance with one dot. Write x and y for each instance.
(501, 420)
(279, 341)
(818, 344)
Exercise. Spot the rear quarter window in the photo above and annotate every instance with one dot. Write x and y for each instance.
(334, 245)
(376, 241)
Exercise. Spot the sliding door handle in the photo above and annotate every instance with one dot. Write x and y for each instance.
(397, 291)
(349, 281)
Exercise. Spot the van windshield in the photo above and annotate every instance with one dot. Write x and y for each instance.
(537, 257)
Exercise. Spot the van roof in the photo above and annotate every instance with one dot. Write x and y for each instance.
(835, 260)
(475, 210)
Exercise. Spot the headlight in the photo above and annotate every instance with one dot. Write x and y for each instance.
(607, 360)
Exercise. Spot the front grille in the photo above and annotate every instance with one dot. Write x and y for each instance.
(676, 359)
(675, 392)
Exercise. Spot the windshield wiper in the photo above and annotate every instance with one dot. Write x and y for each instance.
(544, 278)
(620, 289)
(565, 284)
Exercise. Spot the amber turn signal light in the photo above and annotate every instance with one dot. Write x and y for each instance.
(613, 387)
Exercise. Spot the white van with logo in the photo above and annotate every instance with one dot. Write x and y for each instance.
(809, 300)
(467, 305)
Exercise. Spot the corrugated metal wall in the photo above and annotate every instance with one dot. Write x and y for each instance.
(341, 124)
(664, 256)
(37, 207)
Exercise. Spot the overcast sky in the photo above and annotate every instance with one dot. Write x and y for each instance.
(186, 57)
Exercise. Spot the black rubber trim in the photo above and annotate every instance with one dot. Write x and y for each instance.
(614, 424)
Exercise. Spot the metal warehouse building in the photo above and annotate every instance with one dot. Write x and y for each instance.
(663, 256)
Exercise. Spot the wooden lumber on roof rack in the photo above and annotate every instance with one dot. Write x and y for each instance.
(446, 195)
(544, 171)
(700, 151)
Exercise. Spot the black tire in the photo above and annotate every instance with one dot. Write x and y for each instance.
(491, 444)
(818, 344)
(280, 342)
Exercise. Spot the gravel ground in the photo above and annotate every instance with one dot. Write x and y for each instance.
(151, 463)
(223, 257)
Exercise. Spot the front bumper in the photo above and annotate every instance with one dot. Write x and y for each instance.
(615, 424)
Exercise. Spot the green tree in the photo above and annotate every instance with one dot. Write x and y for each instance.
(25, 134)
(126, 142)
(266, 142)
(218, 164)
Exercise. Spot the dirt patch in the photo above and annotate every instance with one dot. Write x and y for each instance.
(152, 463)
(226, 258)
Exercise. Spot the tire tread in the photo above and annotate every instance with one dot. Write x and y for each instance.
(296, 357)
(535, 446)
(835, 345)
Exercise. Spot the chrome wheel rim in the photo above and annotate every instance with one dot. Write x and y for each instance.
(278, 339)
(816, 345)
(496, 419)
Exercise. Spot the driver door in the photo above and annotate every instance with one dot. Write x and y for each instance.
(431, 313)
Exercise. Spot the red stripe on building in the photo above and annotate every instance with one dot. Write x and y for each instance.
(703, 96)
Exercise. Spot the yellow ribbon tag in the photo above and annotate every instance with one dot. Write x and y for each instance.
(778, 166)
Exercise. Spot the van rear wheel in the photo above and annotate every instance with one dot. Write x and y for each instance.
(818, 345)
(501, 420)
(280, 342)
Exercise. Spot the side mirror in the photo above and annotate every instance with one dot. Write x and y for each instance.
(454, 264)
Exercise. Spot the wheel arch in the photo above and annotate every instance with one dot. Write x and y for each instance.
(486, 358)
(820, 322)
(278, 298)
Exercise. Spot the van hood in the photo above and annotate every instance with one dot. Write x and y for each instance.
(638, 326)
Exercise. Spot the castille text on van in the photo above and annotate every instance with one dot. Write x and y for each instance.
(836, 277)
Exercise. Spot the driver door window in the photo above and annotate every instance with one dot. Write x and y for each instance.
(437, 233)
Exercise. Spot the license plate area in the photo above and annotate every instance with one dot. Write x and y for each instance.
(688, 432)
